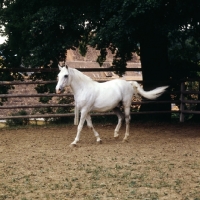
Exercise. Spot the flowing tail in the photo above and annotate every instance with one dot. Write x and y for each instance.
(152, 94)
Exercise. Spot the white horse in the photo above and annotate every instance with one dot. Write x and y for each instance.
(90, 95)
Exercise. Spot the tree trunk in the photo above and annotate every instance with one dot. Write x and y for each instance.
(154, 61)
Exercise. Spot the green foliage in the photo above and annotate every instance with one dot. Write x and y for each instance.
(45, 29)
(102, 57)
(83, 45)
(126, 23)
(45, 76)
(46, 88)
(7, 76)
(19, 121)
(184, 55)
(3, 90)
(184, 58)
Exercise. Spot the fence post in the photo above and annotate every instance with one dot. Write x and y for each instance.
(76, 115)
(182, 105)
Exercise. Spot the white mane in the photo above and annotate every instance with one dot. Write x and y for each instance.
(79, 75)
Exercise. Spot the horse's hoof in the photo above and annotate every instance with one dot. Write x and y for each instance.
(99, 142)
(125, 140)
(72, 145)
(116, 137)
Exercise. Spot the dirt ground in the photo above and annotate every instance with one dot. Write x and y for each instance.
(160, 161)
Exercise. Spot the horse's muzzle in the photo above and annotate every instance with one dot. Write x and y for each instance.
(58, 91)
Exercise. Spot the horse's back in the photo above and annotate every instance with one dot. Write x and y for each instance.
(122, 85)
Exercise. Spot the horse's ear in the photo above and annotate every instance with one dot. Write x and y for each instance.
(66, 66)
(59, 67)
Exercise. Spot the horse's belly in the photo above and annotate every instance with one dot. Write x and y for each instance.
(105, 106)
(104, 109)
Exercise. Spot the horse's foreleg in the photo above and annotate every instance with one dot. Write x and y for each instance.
(90, 125)
(127, 119)
(80, 126)
(120, 116)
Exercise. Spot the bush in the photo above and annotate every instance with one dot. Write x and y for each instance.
(19, 121)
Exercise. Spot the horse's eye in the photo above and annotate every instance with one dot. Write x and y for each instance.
(66, 76)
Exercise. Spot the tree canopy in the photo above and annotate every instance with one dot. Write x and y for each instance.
(39, 31)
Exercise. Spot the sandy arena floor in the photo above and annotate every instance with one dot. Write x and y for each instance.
(160, 161)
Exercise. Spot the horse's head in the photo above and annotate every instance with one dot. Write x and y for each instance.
(63, 79)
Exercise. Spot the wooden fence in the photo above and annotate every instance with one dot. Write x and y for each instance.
(181, 102)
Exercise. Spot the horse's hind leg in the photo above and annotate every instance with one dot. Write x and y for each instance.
(120, 116)
(90, 125)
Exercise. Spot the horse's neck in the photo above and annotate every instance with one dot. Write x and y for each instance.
(79, 81)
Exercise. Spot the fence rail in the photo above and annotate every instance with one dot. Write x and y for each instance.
(39, 70)
(182, 102)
